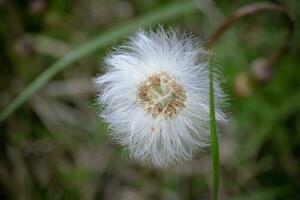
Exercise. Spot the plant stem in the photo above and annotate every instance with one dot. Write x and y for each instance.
(213, 138)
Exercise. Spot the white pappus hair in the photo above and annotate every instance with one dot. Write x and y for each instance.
(155, 97)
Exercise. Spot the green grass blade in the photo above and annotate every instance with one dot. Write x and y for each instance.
(159, 15)
(214, 138)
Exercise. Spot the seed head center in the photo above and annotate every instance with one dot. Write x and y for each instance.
(161, 94)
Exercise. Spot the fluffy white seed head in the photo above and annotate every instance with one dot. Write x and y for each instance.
(155, 98)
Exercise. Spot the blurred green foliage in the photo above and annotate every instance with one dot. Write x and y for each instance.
(54, 147)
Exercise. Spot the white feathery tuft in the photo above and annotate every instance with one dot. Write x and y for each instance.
(155, 98)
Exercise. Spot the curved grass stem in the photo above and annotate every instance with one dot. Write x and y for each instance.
(247, 10)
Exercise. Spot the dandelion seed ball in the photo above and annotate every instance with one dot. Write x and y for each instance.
(155, 99)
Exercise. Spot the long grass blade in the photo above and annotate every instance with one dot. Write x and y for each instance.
(160, 15)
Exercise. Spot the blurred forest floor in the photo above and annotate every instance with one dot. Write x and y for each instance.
(55, 147)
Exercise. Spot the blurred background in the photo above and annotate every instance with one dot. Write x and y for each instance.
(55, 147)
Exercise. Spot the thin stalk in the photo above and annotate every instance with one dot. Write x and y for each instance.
(247, 10)
(213, 138)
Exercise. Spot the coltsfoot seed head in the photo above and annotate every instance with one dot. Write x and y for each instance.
(161, 94)
(155, 97)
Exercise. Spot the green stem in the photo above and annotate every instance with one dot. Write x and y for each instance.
(214, 138)
(163, 14)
